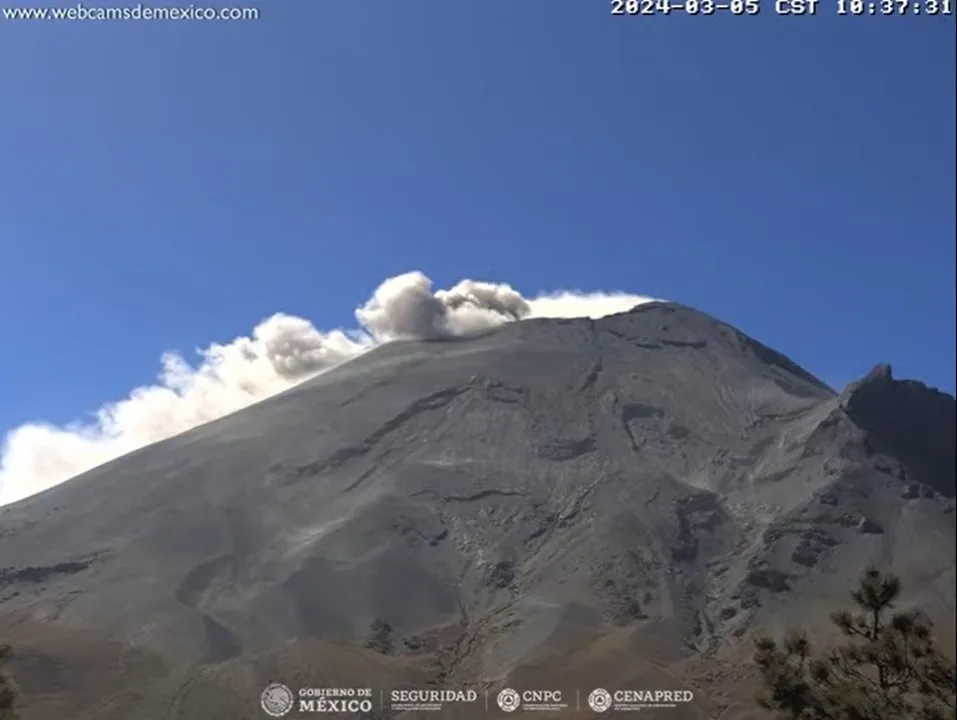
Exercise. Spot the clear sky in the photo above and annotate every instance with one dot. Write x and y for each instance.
(166, 185)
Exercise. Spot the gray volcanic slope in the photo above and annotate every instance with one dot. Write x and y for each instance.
(617, 502)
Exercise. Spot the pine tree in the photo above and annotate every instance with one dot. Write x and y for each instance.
(8, 698)
(887, 667)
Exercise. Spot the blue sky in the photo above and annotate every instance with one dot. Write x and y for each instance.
(167, 185)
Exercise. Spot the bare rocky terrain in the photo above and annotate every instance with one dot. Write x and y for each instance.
(565, 504)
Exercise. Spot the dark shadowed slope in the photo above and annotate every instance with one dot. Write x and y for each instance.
(556, 502)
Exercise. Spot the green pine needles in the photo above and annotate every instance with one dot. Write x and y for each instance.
(886, 668)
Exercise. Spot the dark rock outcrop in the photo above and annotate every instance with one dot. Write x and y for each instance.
(909, 421)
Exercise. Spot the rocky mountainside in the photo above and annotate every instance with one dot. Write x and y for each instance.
(557, 503)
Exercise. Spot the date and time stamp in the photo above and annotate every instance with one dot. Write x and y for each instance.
(784, 7)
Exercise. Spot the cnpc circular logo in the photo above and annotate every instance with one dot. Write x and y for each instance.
(599, 700)
(508, 700)
(277, 700)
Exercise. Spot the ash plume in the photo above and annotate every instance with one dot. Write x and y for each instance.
(282, 351)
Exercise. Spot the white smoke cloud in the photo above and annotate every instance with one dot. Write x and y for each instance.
(282, 351)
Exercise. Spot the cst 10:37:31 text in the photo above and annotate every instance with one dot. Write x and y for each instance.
(782, 7)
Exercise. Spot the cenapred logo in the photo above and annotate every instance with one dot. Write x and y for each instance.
(277, 700)
(599, 700)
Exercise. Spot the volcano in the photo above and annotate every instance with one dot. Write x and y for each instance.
(555, 504)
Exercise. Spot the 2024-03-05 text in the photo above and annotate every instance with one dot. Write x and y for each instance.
(783, 7)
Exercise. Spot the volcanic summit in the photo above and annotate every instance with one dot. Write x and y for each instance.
(552, 503)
